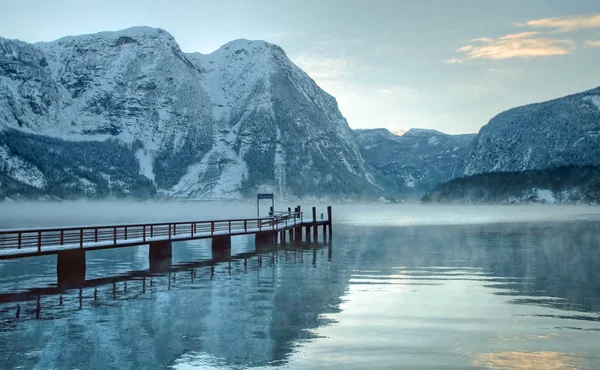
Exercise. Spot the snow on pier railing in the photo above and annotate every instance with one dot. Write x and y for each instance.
(50, 240)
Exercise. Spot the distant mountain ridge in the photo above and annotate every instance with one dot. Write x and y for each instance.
(224, 125)
(545, 152)
(416, 161)
(559, 132)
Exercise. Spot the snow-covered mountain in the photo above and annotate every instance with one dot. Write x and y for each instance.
(564, 131)
(416, 161)
(128, 112)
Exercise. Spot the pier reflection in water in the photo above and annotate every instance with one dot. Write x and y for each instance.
(502, 295)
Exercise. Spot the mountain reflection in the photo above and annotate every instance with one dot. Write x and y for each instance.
(251, 312)
(261, 308)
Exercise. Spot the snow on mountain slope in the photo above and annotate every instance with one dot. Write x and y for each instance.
(415, 161)
(564, 131)
(20, 170)
(224, 125)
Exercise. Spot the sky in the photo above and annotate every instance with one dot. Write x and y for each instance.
(449, 65)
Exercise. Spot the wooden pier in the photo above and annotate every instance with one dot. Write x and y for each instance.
(70, 244)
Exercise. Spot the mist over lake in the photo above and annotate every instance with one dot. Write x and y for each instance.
(398, 286)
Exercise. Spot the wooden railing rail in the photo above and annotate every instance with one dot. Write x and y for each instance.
(132, 233)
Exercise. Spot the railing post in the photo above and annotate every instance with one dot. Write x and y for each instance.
(96, 235)
(152, 231)
(212, 227)
(192, 229)
(115, 235)
(144, 234)
(81, 238)
(62, 237)
(245, 226)
(174, 229)
(125, 232)
(39, 241)
(229, 226)
(169, 231)
(20, 240)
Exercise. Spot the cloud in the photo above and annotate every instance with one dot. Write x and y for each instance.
(515, 36)
(593, 43)
(516, 45)
(324, 68)
(565, 24)
(453, 61)
(504, 71)
(482, 39)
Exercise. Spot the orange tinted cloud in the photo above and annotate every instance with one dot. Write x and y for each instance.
(565, 23)
(593, 44)
(517, 45)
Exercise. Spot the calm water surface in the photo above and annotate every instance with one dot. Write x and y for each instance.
(398, 287)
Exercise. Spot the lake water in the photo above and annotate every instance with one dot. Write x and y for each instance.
(399, 286)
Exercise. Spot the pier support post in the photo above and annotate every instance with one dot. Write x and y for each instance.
(265, 237)
(307, 230)
(298, 234)
(329, 220)
(70, 267)
(161, 249)
(221, 247)
(160, 254)
(315, 228)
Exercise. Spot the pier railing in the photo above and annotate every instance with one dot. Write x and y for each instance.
(58, 238)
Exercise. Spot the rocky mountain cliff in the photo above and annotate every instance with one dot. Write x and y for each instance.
(416, 161)
(128, 113)
(555, 133)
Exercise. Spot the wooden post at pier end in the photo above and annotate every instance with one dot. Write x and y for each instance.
(329, 220)
(314, 225)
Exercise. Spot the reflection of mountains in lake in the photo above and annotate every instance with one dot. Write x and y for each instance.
(257, 313)
(253, 312)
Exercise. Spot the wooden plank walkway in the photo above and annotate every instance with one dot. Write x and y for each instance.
(19, 243)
